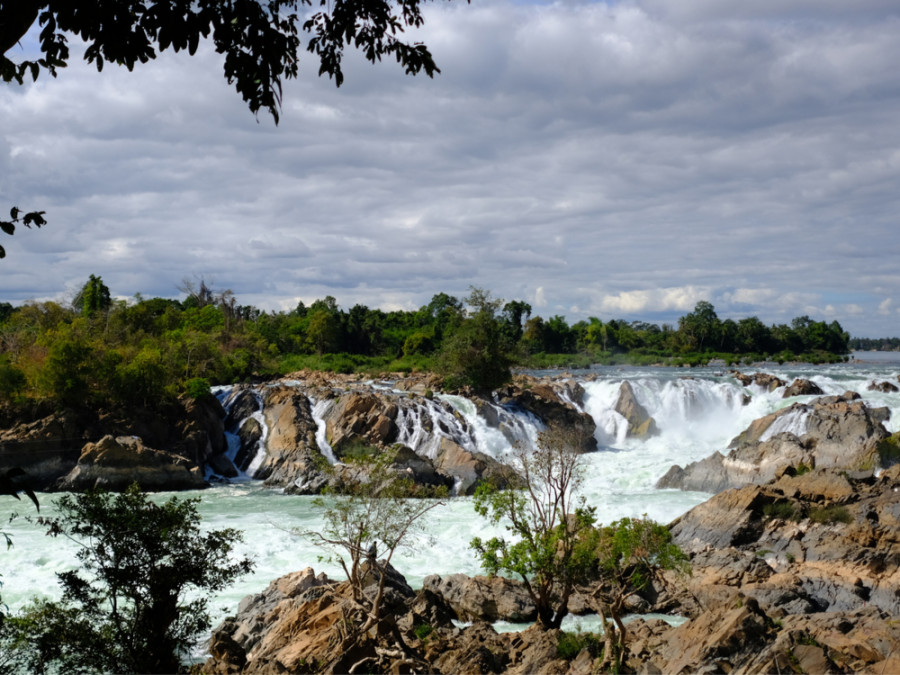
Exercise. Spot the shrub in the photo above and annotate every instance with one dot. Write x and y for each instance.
(196, 387)
(571, 644)
(780, 510)
(830, 514)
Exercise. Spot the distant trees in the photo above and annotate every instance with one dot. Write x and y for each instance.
(477, 353)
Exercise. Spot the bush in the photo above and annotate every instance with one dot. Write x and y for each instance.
(830, 514)
(197, 387)
(780, 510)
(571, 644)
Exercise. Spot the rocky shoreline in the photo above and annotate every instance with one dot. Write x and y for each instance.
(795, 559)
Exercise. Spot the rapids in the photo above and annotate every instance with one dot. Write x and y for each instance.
(698, 411)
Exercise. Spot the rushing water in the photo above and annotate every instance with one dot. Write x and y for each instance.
(697, 411)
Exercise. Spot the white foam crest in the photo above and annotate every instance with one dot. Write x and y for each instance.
(319, 410)
(423, 423)
(512, 427)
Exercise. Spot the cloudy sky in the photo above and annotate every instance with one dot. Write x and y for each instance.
(620, 159)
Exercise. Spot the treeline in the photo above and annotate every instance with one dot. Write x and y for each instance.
(891, 344)
(97, 351)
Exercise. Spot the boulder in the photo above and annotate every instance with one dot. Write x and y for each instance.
(361, 417)
(483, 598)
(292, 456)
(801, 387)
(558, 411)
(640, 424)
(885, 387)
(115, 463)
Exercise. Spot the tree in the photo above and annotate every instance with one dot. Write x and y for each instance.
(93, 297)
(476, 354)
(631, 553)
(131, 612)
(701, 327)
(553, 546)
(374, 517)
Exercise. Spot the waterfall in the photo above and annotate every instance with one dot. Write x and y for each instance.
(319, 410)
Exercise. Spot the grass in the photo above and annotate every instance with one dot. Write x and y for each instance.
(572, 642)
(830, 514)
(781, 511)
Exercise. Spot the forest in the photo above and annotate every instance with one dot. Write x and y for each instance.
(99, 351)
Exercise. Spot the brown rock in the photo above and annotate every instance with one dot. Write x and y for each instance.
(800, 387)
(640, 424)
(115, 463)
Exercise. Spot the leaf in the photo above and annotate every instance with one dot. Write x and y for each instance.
(2, 252)
(14, 213)
(7, 227)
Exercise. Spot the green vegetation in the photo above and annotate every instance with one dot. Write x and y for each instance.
(827, 515)
(571, 644)
(553, 541)
(781, 510)
(631, 552)
(131, 612)
(97, 352)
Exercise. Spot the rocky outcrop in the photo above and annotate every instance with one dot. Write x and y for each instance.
(113, 464)
(483, 598)
(555, 403)
(829, 540)
(292, 456)
(640, 424)
(764, 380)
(801, 387)
(832, 431)
(361, 418)
(884, 387)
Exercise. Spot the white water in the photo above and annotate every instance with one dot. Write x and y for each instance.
(695, 416)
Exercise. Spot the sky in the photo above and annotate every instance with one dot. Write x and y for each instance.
(618, 160)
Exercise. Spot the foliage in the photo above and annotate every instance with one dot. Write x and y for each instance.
(197, 387)
(571, 644)
(16, 215)
(827, 515)
(477, 353)
(781, 510)
(631, 552)
(130, 611)
(371, 518)
(552, 546)
(260, 41)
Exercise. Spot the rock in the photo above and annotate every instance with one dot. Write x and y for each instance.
(292, 455)
(557, 411)
(220, 465)
(115, 463)
(250, 433)
(361, 417)
(801, 387)
(640, 424)
(467, 469)
(885, 387)
(241, 404)
(483, 598)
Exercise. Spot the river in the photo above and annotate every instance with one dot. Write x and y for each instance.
(698, 411)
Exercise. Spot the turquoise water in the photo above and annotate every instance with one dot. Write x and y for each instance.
(696, 417)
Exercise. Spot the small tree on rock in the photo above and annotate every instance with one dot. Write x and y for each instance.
(553, 544)
(372, 517)
(631, 553)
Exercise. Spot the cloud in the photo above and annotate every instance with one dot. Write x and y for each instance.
(597, 158)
